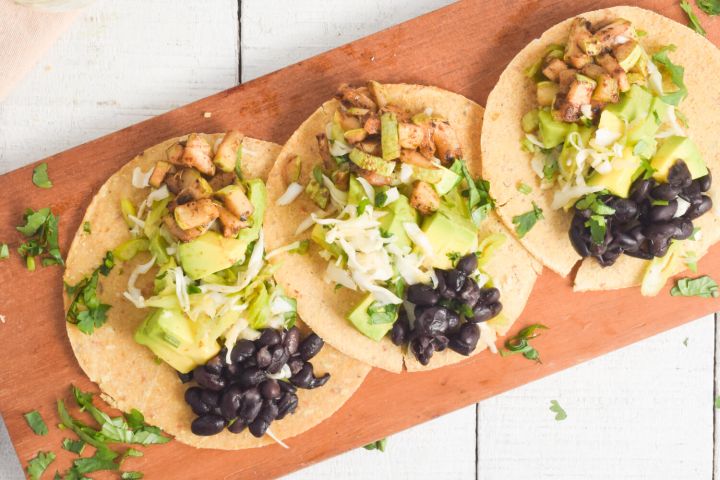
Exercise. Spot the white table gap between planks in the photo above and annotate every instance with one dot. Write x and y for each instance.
(643, 412)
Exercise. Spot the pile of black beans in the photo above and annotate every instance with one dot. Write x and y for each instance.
(241, 393)
(640, 228)
(446, 316)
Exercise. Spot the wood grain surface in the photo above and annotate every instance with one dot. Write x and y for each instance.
(418, 51)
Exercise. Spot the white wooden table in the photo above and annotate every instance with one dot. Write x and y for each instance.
(643, 412)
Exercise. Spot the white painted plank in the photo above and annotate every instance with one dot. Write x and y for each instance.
(443, 448)
(642, 412)
(120, 63)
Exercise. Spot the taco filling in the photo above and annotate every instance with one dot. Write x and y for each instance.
(397, 220)
(608, 137)
(215, 314)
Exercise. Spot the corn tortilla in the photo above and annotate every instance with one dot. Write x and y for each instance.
(127, 372)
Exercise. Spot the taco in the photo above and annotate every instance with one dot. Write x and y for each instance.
(404, 260)
(607, 121)
(172, 309)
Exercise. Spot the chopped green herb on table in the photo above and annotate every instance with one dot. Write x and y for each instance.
(703, 286)
(40, 176)
(520, 343)
(558, 410)
(377, 445)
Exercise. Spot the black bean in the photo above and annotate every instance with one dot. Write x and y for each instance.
(684, 227)
(237, 426)
(230, 402)
(207, 425)
(292, 340)
(440, 343)
(263, 357)
(192, 398)
(269, 337)
(432, 321)
(442, 287)
(305, 378)
(611, 254)
(287, 404)
(453, 320)
(400, 331)
(639, 254)
(211, 398)
(310, 347)
(185, 377)
(423, 295)
(467, 264)
(470, 293)
(664, 191)
(251, 377)
(625, 209)
(704, 183)
(640, 189)
(679, 175)
(295, 364)
(692, 194)
(578, 236)
(214, 365)
(481, 313)
(495, 309)
(279, 357)
(455, 279)
(695, 210)
(658, 231)
(270, 389)
(207, 379)
(663, 213)
(267, 414)
(423, 348)
(489, 295)
(250, 405)
(465, 340)
(243, 349)
(287, 387)
(232, 370)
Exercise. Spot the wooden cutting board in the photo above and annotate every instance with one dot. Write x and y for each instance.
(463, 48)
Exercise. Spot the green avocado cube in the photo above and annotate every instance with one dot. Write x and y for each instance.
(678, 148)
(360, 318)
(552, 132)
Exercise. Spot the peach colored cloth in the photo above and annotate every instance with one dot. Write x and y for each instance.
(25, 35)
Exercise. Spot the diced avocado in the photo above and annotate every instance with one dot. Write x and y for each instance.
(398, 212)
(128, 249)
(448, 181)
(619, 179)
(389, 136)
(317, 235)
(610, 121)
(360, 318)
(171, 336)
(530, 121)
(646, 128)
(552, 132)
(355, 191)
(367, 161)
(633, 103)
(449, 233)
(546, 92)
(628, 54)
(659, 109)
(674, 148)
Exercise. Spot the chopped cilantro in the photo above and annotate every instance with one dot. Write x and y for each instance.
(524, 188)
(646, 168)
(364, 203)
(74, 446)
(380, 199)
(36, 422)
(86, 227)
(694, 235)
(692, 18)
(557, 410)
(40, 176)
(86, 311)
(4, 251)
(101, 460)
(478, 193)
(598, 228)
(685, 342)
(520, 343)
(524, 222)
(640, 33)
(382, 313)
(711, 7)
(37, 465)
(454, 257)
(703, 286)
(677, 74)
(41, 229)
(550, 169)
(377, 445)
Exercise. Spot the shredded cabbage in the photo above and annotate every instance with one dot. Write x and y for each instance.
(133, 293)
(289, 196)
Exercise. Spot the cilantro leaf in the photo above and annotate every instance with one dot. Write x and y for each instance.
(40, 176)
(99, 461)
(524, 222)
(41, 228)
(711, 7)
(87, 228)
(677, 74)
(36, 422)
(524, 188)
(377, 445)
(478, 193)
(34, 220)
(691, 260)
(85, 310)
(704, 287)
(558, 410)
(74, 446)
(37, 465)
(520, 343)
(717, 402)
(598, 228)
(692, 18)
(4, 251)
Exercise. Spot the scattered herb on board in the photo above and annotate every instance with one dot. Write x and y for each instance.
(4, 251)
(37, 465)
(377, 445)
(692, 18)
(40, 176)
(85, 310)
(711, 7)
(557, 410)
(36, 422)
(520, 343)
(74, 446)
(524, 188)
(87, 228)
(703, 286)
(524, 222)
(41, 231)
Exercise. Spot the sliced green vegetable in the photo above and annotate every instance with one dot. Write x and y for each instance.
(74, 446)
(36, 422)
(4, 251)
(704, 287)
(40, 176)
(389, 136)
(520, 343)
